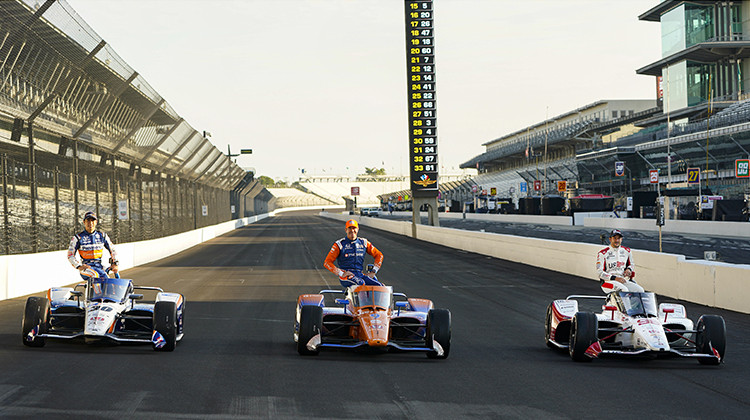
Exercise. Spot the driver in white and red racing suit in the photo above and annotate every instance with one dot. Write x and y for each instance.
(615, 267)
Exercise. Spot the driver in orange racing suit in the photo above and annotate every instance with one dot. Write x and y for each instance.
(349, 254)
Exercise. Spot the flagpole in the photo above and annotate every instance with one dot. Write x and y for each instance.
(546, 162)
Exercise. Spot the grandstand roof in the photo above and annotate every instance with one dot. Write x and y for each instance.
(705, 52)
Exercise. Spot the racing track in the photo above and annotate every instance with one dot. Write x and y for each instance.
(238, 359)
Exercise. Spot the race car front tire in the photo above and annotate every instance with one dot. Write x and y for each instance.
(165, 323)
(712, 333)
(310, 325)
(36, 319)
(583, 333)
(438, 329)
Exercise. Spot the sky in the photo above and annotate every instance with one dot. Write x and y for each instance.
(320, 85)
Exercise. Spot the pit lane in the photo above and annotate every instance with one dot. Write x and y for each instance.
(238, 359)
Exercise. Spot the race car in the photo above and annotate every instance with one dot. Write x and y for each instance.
(105, 309)
(631, 324)
(370, 317)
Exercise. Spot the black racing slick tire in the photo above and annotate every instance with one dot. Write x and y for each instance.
(438, 330)
(712, 333)
(310, 325)
(165, 323)
(35, 318)
(583, 332)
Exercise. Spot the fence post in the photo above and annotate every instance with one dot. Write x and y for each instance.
(176, 219)
(77, 216)
(32, 190)
(161, 214)
(96, 196)
(139, 185)
(130, 212)
(58, 229)
(6, 225)
(151, 205)
(113, 182)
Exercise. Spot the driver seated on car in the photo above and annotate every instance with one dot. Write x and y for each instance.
(614, 265)
(349, 254)
(90, 245)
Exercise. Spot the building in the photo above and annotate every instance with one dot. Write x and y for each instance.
(546, 151)
(703, 126)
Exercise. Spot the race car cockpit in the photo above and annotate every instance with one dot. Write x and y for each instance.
(110, 290)
(637, 304)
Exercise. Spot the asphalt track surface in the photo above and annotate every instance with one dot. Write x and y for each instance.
(238, 359)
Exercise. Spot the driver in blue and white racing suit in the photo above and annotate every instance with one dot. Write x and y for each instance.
(90, 245)
(615, 267)
(349, 254)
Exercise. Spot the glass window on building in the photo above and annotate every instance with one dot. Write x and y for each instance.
(675, 86)
(699, 24)
(687, 25)
(614, 114)
(673, 31)
(698, 77)
(736, 12)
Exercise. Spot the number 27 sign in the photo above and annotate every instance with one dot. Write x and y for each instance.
(693, 175)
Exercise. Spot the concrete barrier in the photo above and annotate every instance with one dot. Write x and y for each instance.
(708, 283)
(31, 273)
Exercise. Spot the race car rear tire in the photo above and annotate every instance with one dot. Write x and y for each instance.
(548, 327)
(438, 329)
(583, 333)
(36, 313)
(310, 325)
(712, 332)
(165, 323)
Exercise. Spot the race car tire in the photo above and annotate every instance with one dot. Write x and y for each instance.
(310, 325)
(712, 332)
(36, 313)
(165, 323)
(548, 327)
(583, 333)
(439, 329)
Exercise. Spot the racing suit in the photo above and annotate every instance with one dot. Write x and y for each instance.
(91, 247)
(350, 256)
(612, 262)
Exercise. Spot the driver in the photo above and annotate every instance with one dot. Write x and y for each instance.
(614, 264)
(349, 254)
(90, 244)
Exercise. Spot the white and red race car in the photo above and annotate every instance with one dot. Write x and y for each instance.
(631, 324)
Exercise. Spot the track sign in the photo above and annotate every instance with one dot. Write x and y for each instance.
(653, 175)
(620, 168)
(562, 186)
(493, 191)
(742, 168)
(537, 185)
(693, 175)
(355, 191)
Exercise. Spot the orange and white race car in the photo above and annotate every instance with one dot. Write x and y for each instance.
(371, 317)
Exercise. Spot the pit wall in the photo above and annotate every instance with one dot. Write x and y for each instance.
(708, 283)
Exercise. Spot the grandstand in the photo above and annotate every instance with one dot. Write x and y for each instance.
(337, 188)
(292, 197)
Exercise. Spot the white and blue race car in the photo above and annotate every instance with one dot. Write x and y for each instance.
(105, 309)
